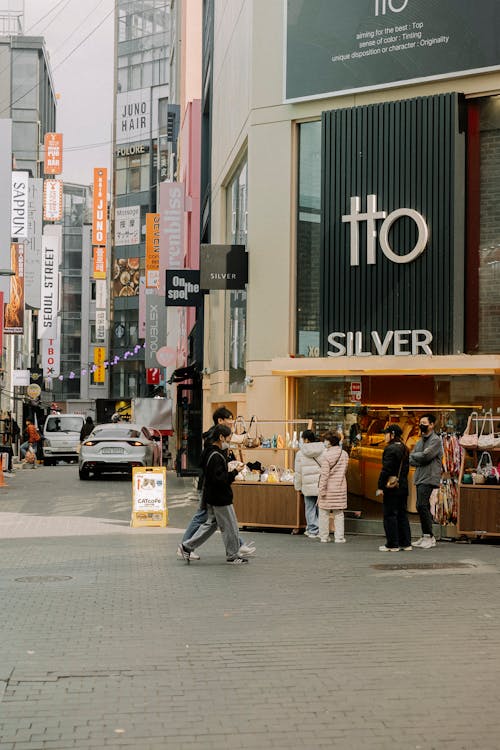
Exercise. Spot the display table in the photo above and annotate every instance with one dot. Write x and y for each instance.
(269, 505)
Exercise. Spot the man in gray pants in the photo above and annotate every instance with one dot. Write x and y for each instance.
(218, 498)
(427, 458)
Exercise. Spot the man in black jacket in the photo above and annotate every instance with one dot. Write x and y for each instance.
(395, 464)
(218, 498)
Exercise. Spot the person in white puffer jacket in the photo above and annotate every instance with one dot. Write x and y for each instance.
(307, 471)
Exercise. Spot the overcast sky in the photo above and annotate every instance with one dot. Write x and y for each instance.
(84, 82)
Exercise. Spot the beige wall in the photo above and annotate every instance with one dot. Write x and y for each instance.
(248, 115)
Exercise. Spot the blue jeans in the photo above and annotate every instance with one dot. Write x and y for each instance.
(198, 520)
(311, 514)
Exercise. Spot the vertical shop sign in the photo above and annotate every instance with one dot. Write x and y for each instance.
(33, 245)
(51, 358)
(100, 267)
(100, 295)
(53, 144)
(47, 316)
(1, 329)
(99, 357)
(171, 229)
(100, 208)
(52, 200)
(127, 225)
(142, 307)
(14, 308)
(100, 325)
(19, 205)
(152, 250)
(5, 202)
(156, 328)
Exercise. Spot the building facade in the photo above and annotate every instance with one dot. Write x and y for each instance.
(362, 176)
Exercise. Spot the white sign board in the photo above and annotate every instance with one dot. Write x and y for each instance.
(20, 377)
(100, 294)
(19, 205)
(100, 326)
(47, 316)
(128, 225)
(133, 116)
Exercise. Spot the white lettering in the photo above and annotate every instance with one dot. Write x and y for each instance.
(405, 343)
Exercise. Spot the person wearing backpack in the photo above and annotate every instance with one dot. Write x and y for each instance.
(218, 498)
(395, 465)
(32, 438)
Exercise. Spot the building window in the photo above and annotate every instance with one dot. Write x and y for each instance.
(236, 323)
(308, 239)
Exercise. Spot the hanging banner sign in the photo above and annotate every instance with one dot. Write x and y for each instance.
(100, 325)
(152, 250)
(223, 266)
(99, 357)
(32, 278)
(100, 208)
(183, 289)
(14, 308)
(127, 225)
(149, 496)
(171, 228)
(52, 200)
(51, 358)
(100, 267)
(47, 316)
(100, 295)
(142, 307)
(19, 205)
(156, 328)
(53, 144)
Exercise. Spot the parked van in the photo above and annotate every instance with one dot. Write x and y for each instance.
(61, 437)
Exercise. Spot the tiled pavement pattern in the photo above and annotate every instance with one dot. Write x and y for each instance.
(108, 641)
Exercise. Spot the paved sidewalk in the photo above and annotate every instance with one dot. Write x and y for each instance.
(109, 641)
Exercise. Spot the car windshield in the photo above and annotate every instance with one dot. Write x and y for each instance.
(119, 433)
(64, 424)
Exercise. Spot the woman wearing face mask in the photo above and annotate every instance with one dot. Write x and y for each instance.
(218, 498)
(332, 490)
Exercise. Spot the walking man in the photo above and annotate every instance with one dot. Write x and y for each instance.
(32, 438)
(427, 458)
(218, 498)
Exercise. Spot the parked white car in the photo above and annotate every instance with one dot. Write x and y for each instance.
(61, 437)
(117, 448)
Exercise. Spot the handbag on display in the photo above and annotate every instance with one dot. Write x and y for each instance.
(488, 441)
(287, 476)
(252, 439)
(273, 475)
(469, 439)
(493, 477)
(484, 467)
(239, 431)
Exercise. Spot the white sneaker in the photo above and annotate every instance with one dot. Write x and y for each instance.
(327, 539)
(247, 549)
(383, 548)
(418, 543)
(340, 541)
(428, 542)
(311, 536)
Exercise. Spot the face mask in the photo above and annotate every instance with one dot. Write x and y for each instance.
(424, 429)
(224, 446)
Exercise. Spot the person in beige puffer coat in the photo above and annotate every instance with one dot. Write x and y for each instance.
(332, 494)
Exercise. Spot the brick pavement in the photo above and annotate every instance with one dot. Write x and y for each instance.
(309, 646)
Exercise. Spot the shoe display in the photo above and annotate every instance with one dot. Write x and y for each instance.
(406, 549)
(247, 549)
(238, 561)
(418, 543)
(428, 542)
(383, 548)
(183, 553)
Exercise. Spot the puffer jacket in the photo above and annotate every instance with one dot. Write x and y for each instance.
(332, 481)
(307, 468)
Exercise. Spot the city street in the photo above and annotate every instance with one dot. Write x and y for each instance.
(109, 641)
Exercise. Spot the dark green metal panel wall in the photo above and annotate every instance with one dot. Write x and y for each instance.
(405, 153)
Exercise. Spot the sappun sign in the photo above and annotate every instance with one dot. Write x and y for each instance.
(392, 265)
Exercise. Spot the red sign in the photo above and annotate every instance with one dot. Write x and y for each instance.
(356, 390)
(153, 376)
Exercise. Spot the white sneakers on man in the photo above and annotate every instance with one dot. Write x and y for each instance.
(426, 542)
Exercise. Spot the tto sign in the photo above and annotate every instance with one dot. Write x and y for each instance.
(370, 216)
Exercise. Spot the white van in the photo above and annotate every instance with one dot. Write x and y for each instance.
(61, 437)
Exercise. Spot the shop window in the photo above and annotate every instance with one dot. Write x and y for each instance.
(308, 239)
(236, 322)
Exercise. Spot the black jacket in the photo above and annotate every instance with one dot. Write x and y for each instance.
(394, 453)
(217, 479)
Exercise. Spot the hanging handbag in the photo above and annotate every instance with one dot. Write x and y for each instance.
(239, 431)
(488, 441)
(469, 439)
(485, 465)
(252, 439)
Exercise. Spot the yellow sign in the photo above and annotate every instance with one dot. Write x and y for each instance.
(99, 357)
(149, 496)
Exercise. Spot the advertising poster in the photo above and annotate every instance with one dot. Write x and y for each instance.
(335, 47)
(14, 309)
(100, 207)
(152, 250)
(126, 276)
(128, 225)
(52, 200)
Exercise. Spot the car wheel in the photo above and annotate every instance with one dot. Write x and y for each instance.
(48, 462)
(83, 473)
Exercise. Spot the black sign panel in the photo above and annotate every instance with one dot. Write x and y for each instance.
(223, 266)
(183, 289)
(36, 377)
(336, 46)
(392, 244)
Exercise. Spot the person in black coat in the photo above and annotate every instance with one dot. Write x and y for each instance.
(218, 498)
(87, 428)
(395, 463)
